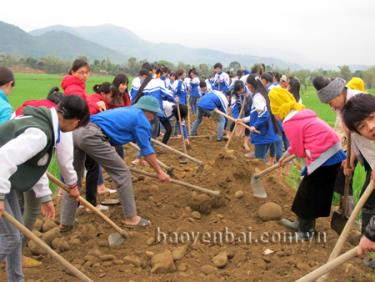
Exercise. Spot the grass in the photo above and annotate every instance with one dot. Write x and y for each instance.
(36, 86)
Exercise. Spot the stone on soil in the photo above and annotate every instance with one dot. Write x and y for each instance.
(270, 211)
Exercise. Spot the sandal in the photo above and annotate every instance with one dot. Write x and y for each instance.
(141, 223)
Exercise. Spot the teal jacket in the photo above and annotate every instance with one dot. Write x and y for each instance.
(5, 108)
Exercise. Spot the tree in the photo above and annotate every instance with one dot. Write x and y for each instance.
(345, 72)
(234, 66)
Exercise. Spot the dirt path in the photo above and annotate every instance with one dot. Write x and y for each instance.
(177, 209)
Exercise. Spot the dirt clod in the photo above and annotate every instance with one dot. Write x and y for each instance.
(270, 211)
(163, 262)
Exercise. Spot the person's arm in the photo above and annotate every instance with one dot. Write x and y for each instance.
(143, 137)
(16, 152)
(43, 192)
(5, 114)
(64, 157)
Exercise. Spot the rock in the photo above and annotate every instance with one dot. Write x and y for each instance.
(96, 265)
(91, 258)
(95, 252)
(107, 263)
(208, 269)
(162, 262)
(60, 244)
(133, 260)
(74, 241)
(35, 249)
(48, 225)
(196, 215)
(37, 234)
(220, 260)
(103, 243)
(78, 261)
(182, 267)
(150, 254)
(88, 264)
(38, 224)
(179, 252)
(50, 235)
(270, 211)
(150, 241)
(102, 275)
(118, 262)
(201, 202)
(107, 257)
(238, 194)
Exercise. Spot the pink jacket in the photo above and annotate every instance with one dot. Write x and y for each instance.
(310, 138)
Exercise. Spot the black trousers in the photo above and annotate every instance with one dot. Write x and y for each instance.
(168, 129)
(315, 193)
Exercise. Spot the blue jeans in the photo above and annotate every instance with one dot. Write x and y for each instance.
(203, 113)
(11, 239)
(276, 148)
(261, 151)
(193, 104)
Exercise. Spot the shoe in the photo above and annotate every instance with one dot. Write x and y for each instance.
(28, 262)
(102, 207)
(289, 224)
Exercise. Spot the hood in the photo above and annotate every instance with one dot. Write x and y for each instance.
(70, 80)
(303, 114)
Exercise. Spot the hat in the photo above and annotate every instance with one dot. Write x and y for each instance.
(356, 83)
(282, 102)
(284, 78)
(332, 90)
(6, 76)
(148, 103)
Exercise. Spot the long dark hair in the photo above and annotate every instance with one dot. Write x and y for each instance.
(257, 84)
(105, 87)
(118, 97)
(295, 87)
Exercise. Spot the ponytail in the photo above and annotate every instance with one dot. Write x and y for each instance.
(105, 88)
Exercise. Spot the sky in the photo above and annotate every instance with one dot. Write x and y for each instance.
(311, 33)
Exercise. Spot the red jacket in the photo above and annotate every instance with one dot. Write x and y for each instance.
(35, 103)
(74, 86)
(125, 101)
(92, 101)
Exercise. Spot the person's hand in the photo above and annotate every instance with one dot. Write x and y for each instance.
(365, 245)
(163, 177)
(48, 210)
(348, 171)
(101, 105)
(2, 207)
(74, 193)
(253, 129)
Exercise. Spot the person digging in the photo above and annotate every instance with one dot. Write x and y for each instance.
(105, 130)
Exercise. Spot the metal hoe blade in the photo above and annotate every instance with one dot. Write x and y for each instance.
(257, 188)
(115, 239)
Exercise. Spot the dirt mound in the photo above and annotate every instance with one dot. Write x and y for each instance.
(196, 237)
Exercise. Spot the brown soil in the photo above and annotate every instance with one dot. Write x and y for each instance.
(177, 209)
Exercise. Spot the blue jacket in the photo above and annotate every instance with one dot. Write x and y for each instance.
(260, 118)
(155, 88)
(180, 90)
(194, 87)
(124, 125)
(5, 108)
(212, 100)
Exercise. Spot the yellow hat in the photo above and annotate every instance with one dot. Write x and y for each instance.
(356, 83)
(282, 102)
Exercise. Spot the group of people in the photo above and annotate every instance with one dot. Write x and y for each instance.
(88, 132)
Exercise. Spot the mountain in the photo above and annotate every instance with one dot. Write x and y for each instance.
(60, 44)
(125, 41)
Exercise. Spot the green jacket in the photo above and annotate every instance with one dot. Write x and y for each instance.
(29, 173)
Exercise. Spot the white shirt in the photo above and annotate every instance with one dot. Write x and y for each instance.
(27, 145)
